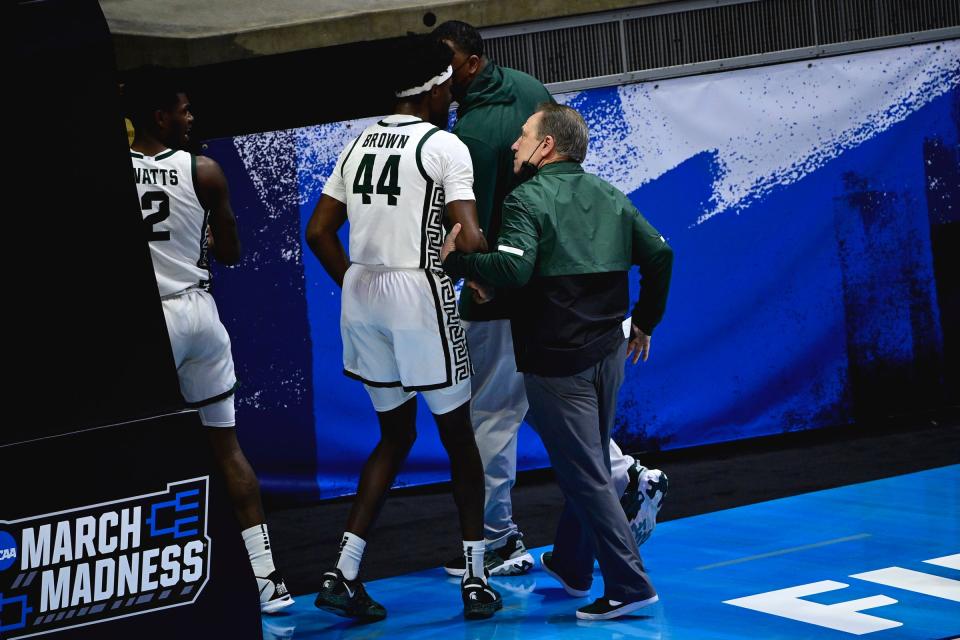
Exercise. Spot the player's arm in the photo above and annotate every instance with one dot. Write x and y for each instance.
(484, 160)
(328, 216)
(470, 239)
(214, 196)
(514, 256)
(451, 158)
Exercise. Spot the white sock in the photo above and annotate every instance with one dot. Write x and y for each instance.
(351, 552)
(473, 553)
(258, 548)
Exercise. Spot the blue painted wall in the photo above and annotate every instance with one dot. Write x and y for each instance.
(813, 209)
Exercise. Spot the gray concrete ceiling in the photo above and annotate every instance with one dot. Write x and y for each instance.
(182, 33)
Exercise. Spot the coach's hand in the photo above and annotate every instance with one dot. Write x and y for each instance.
(482, 294)
(449, 243)
(639, 344)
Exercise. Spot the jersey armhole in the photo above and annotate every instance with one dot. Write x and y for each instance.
(347, 157)
(425, 137)
(196, 187)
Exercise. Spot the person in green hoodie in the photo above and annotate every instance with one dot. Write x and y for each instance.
(567, 242)
(493, 103)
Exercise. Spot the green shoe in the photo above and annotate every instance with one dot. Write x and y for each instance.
(348, 599)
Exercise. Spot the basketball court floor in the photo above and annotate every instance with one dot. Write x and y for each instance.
(879, 560)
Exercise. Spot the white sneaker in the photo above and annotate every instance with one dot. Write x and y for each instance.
(642, 500)
(510, 559)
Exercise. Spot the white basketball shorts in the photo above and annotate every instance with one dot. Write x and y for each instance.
(401, 329)
(201, 351)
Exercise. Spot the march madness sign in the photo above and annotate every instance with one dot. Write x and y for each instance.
(104, 561)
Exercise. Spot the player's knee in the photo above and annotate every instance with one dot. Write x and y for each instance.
(398, 430)
(401, 440)
(238, 472)
(457, 436)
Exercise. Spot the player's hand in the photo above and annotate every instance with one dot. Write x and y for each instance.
(639, 344)
(482, 294)
(449, 243)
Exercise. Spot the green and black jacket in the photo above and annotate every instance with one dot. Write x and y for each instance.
(569, 238)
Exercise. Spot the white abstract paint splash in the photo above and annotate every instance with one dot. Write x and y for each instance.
(267, 160)
(768, 126)
(318, 148)
(292, 389)
(266, 157)
(289, 168)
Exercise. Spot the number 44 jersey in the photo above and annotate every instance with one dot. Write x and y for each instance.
(176, 221)
(395, 178)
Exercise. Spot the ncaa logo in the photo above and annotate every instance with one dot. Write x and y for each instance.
(8, 550)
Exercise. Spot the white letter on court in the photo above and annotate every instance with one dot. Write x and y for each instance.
(842, 616)
(914, 581)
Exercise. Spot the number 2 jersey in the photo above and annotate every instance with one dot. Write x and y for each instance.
(176, 221)
(395, 178)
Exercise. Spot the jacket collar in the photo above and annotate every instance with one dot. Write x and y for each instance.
(564, 166)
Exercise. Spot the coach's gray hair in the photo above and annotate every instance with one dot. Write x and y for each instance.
(567, 127)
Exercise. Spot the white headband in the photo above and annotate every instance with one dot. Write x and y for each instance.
(426, 86)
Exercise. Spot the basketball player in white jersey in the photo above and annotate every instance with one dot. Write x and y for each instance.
(399, 322)
(182, 197)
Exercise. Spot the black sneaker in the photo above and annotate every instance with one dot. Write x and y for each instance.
(347, 598)
(512, 559)
(480, 600)
(545, 559)
(606, 609)
(273, 593)
(642, 499)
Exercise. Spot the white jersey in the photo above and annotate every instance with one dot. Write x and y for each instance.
(177, 221)
(395, 179)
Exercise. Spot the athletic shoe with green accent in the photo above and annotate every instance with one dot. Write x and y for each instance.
(606, 609)
(480, 600)
(642, 500)
(347, 598)
(511, 559)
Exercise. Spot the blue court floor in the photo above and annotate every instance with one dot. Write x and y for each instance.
(878, 560)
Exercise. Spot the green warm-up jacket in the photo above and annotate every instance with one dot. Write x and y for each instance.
(498, 102)
(569, 238)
